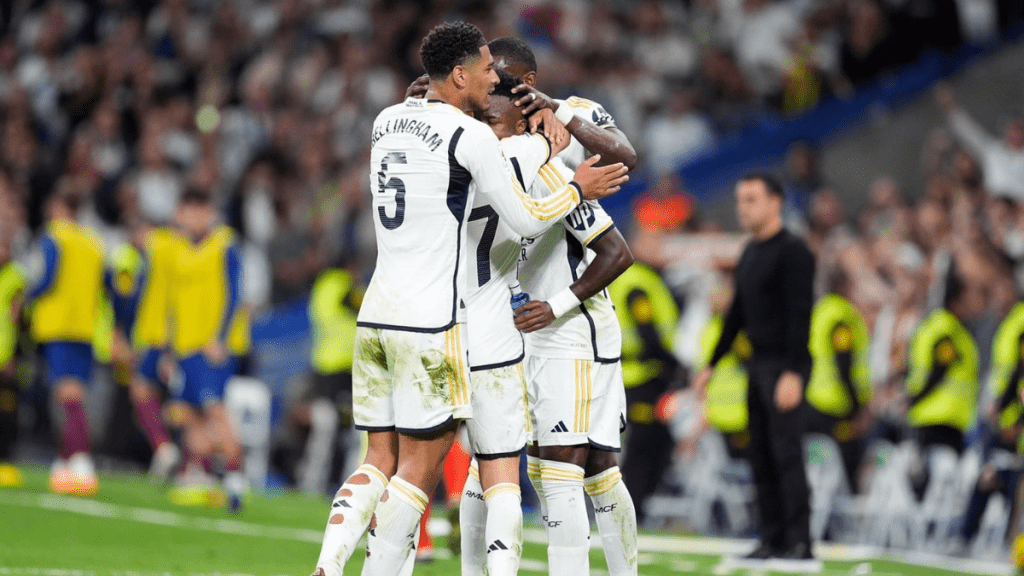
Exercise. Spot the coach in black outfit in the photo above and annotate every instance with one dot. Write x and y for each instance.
(773, 305)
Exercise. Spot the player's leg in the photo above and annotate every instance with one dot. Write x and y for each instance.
(613, 505)
(226, 442)
(498, 434)
(431, 396)
(614, 512)
(374, 413)
(395, 521)
(561, 414)
(145, 395)
(473, 524)
(70, 367)
(355, 501)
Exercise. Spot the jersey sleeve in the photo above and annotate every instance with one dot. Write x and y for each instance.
(498, 186)
(590, 110)
(588, 221)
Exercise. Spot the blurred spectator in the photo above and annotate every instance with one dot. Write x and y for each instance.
(872, 44)
(680, 134)
(1002, 160)
(802, 179)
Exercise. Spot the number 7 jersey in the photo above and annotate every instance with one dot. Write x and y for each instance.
(424, 156)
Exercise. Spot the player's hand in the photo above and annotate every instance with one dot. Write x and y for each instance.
(556, 132)
(534, 315)
(418, 88)
(533, 99)
(699, 383)
(788, 391)
(597, 183)
(216, 353)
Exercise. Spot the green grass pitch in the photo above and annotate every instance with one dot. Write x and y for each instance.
(132, 529)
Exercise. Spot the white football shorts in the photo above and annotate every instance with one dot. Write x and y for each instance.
(500, 419)
(412, 382)
(575, 402)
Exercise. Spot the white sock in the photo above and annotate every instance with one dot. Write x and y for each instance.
(393, 528)
(533, 472)
(568, 524)
(410, 558)
(350, 515)
(616, 520)
(504, 529)
(473, 523)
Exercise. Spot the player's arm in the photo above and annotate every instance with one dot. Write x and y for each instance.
(525, 215)
(842, 349)
(612, 259)
(44, 267)
(608, 141)
(941, 356)
(233, 271)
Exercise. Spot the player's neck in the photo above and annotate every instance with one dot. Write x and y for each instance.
(446, 93)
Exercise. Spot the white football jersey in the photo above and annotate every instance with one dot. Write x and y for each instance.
(556, 259)
(574, 154)
(494, 340)
(425, 155)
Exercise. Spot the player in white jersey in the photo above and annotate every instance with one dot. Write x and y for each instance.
(590, 393)
(498, 430)
(410, 383)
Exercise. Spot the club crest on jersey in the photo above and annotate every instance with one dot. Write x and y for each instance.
(601, 117)
(582, 217)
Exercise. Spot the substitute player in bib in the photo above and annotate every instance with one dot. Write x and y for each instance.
(410, 382)
(593, 132)
(139, 282)
(206, 284)
(66, 296)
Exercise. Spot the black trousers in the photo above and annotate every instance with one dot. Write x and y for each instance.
(777, 460)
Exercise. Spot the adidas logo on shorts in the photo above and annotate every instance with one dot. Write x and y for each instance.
(495, 546)
(560, 427)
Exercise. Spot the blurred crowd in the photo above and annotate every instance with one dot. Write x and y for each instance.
(268, 104)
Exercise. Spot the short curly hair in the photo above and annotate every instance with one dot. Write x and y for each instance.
(506, 82)
(449, 45)
(514, 50)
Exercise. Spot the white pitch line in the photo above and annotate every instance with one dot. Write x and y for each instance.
(158, 517)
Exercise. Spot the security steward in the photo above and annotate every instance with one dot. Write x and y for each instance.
(839, 390)
(648, 316)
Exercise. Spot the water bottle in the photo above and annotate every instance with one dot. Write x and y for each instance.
(519, 298)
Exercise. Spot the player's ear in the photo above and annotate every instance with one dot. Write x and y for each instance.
(459, 76)
(521, 126)
(530, 79)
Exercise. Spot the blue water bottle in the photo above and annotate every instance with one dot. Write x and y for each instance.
(519, 298)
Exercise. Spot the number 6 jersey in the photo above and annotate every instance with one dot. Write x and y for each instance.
(425, 154)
